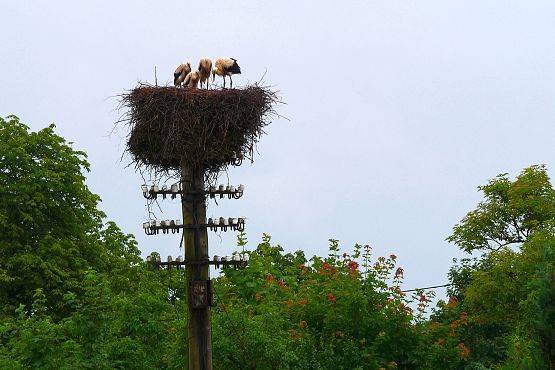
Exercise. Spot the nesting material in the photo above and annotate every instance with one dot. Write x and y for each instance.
(204, 129)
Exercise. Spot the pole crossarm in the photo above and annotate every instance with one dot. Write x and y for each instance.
(231, 192)
(217, 264)
(173, 226)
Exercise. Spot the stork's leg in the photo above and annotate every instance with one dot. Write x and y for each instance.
(224, 81)
(231, 82)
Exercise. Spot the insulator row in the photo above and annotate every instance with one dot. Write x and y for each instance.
(229, 190)
(236, 224)
(174, 190)
(173, 226)
(236, 260)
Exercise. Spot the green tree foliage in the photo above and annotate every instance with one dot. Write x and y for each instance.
(507, 294)
(281, 312)
(510, 212)
(74, 292)
(109, 328)
(51, 231)
(48, 217)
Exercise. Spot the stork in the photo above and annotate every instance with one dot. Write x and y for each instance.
(191, 80)
(181, 71)
(226, 67)
(204, 69)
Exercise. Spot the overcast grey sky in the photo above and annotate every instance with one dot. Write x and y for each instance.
(398, 109)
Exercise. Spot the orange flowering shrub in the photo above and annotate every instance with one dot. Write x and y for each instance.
(344, 306)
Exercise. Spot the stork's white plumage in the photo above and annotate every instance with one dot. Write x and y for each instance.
(180, 73)
(191, 80)
(204, 68)
(226, 67)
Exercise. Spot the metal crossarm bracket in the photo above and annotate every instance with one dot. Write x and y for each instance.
(173, 226)
(221, 191)
(234, 261)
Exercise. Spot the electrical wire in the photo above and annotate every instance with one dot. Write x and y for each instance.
(426, 288)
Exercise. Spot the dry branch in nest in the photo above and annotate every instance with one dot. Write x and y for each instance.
(170, 126)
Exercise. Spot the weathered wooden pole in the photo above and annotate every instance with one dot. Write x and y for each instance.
(198, 275)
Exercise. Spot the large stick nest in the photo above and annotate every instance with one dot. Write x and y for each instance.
(203, 129)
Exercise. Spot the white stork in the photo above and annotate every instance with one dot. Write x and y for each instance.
(226, 67)
(191, 80)
(204, 68)
(180, 73)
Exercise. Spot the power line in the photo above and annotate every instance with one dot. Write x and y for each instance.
(428, 287)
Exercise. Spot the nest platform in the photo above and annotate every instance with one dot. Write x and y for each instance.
(201, 128)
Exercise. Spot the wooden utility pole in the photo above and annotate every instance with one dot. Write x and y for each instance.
(198, 275)
(199, 293)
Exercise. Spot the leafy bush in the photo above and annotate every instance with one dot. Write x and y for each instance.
(283, 311)
(508, 293)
